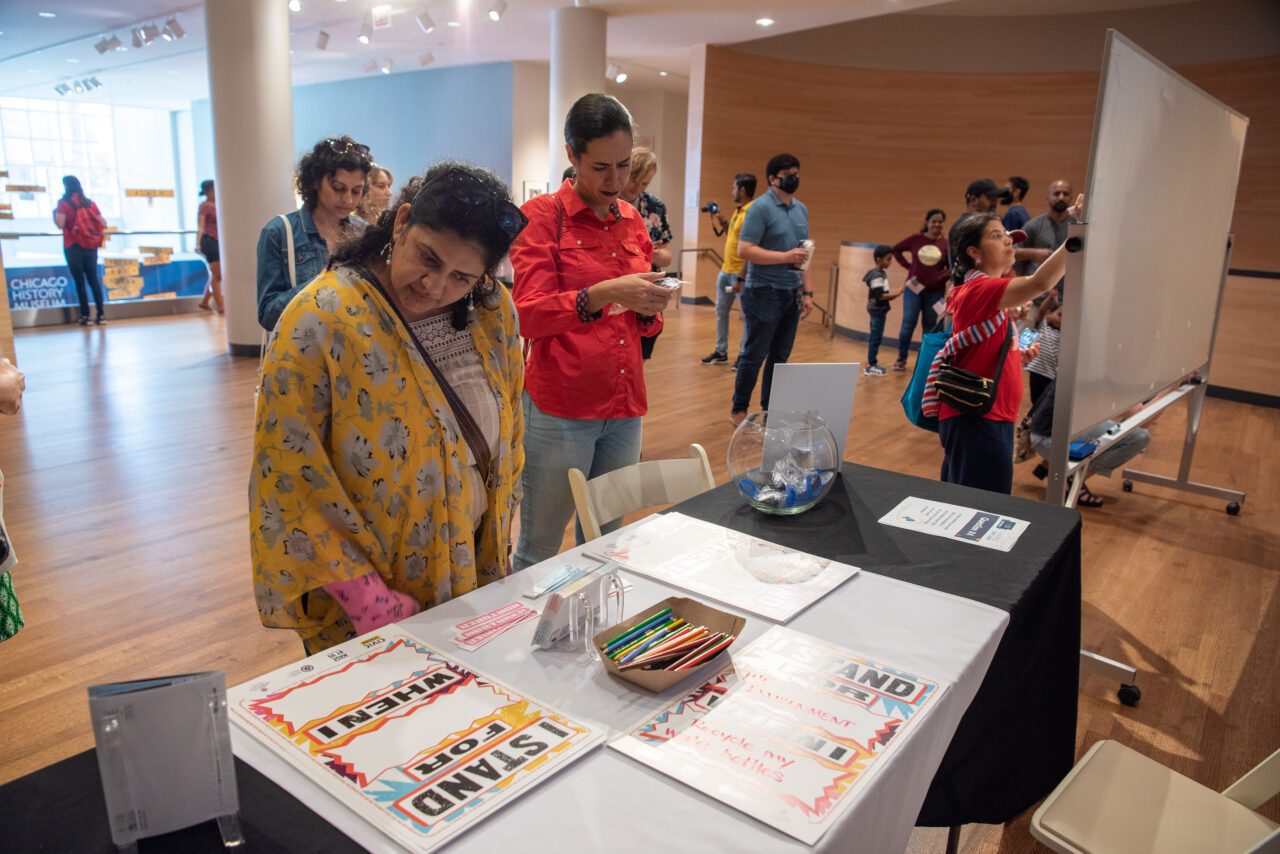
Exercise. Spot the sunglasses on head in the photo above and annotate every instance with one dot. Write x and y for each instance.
(346, 146)
(472, 191)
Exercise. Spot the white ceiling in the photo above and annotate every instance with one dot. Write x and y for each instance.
(644, 36)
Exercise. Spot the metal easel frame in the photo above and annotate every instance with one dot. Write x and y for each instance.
(1066, 476)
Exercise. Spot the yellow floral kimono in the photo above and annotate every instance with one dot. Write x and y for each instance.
(359, 466)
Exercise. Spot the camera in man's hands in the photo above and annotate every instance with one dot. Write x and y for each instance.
(711, 207)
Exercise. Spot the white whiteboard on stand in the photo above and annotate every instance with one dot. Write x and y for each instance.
(1161, 190)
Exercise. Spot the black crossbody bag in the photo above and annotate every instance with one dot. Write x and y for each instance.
(967, 392)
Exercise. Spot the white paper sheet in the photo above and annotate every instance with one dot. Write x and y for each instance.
(739, 570)
(965, 524)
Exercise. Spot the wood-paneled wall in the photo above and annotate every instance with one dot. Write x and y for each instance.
(879, 148)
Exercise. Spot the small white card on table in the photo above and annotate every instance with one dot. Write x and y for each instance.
(989, 530)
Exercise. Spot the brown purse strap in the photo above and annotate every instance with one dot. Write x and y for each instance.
(466, 423)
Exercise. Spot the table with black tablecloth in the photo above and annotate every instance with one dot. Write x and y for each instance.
(1012, 746)
(1017, 741)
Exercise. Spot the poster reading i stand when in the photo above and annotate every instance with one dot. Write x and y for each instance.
(415, 743)
(789, 733)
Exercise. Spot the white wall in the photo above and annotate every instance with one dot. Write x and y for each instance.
(664, 117)
(530, 88)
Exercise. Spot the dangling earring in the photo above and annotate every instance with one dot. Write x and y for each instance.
(471, 300)
(386, 252)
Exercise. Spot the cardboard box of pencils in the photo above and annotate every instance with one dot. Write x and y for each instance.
(651, 663)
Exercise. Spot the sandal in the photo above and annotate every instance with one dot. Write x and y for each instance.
(1087, 498)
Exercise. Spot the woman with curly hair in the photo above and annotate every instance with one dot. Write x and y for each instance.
(388, 436)
(294, 248)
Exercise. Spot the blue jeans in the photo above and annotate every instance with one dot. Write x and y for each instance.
(724, 307)
(1116, 454)
(552, 446)
(877, 335)
(912, 305)
(771, 317)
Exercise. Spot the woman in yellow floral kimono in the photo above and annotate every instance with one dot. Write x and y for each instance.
(388, 436)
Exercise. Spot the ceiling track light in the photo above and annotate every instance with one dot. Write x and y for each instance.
(62, 88)
(102, 45)
(150, 33)
(425, 23)
(366, 29)
(387, 62)
(611, 71)
(295, 5)
(137, 37)
(370, 67)
(621, 78)
(113, 43)
(79, 87)
(173, 30)
(426, 58)
(496, 10)
(322, 40)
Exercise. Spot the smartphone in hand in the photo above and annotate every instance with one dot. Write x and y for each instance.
(1028, 337)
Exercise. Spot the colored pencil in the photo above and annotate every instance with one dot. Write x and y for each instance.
(635, 653)
(684, 643)
(710, 642)
(642, 639)
(678, 638)
(706, 655)
(639, 628)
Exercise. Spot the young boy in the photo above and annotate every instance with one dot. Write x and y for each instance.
(878, 306)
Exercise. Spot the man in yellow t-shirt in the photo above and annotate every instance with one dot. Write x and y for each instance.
(734, 270)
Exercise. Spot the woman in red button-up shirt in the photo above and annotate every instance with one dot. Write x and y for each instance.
(585, 298)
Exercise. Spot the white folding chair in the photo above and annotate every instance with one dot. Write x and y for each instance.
(1116, 799)
(611, 496)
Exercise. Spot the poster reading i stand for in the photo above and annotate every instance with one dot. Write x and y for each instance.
(412, 741)
(789, 733)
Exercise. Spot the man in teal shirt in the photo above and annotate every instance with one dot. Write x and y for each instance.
(777, 293)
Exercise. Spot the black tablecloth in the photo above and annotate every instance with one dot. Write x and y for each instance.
(1017, 740)
(1014, 744)
(61, 809)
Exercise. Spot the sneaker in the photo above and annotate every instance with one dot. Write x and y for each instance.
(734, 366)
(84, 320)
(100, 320)
(900, 365)
(715, 358)
(874, 371)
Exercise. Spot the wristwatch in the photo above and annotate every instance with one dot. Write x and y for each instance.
(806, 293)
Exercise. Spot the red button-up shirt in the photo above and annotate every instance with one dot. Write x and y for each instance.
(577, 368)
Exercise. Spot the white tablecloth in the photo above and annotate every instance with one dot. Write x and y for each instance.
(934, 634)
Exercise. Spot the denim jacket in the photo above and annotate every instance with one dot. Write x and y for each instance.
(311, 257)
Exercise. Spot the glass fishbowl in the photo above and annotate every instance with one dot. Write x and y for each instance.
(783, 462)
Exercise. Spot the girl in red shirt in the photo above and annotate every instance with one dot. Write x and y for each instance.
(979, 448)
(78, 244)
(583, 289)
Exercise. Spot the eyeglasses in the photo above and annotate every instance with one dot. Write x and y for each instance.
(346, 146)
(474, 192)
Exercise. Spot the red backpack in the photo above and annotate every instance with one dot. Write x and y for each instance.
(87, 226)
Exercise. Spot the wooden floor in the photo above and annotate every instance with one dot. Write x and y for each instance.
(126, 500)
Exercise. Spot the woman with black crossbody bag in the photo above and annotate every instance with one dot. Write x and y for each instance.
(975, 382)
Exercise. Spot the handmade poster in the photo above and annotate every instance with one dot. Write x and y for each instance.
(737, 569)
(989, 530)
(412, 741)
(789, 733)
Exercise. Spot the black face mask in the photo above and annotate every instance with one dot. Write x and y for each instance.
(789, 183)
